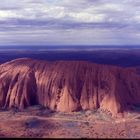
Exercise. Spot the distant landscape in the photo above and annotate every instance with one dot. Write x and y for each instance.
(124, 56)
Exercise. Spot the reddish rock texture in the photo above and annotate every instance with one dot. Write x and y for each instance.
(67, 85)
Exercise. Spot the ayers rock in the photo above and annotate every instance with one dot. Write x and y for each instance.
(67, 85)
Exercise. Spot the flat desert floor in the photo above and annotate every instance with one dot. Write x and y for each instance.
(37, 122)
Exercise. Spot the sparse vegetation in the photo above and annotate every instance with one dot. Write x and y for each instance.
(27, 123)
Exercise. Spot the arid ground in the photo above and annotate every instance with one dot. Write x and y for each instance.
(37, 122)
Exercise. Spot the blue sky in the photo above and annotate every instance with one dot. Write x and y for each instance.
(69, 22)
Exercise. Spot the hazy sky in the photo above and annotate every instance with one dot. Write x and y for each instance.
(71, 22)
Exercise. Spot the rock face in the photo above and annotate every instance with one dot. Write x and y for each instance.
(67, 85)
